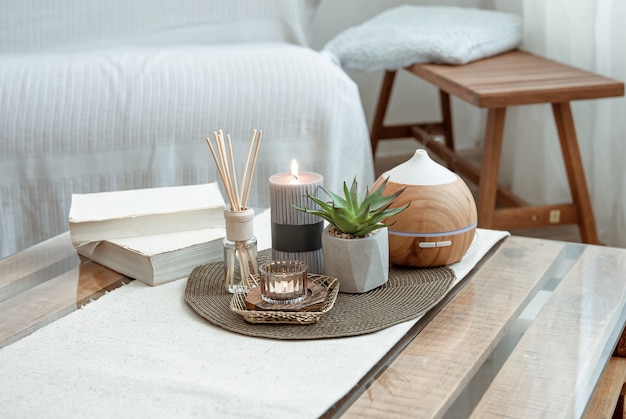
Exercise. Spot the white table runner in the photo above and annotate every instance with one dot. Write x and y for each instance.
(140, 351)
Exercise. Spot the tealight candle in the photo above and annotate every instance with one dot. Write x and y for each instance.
(296, 235)
(283, 281)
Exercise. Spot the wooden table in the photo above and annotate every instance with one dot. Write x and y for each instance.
(496, 83)
(526, 334)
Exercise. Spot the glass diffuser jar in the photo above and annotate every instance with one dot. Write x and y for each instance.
(240, 248)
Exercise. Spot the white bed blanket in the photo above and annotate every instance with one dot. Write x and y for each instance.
(132, 117)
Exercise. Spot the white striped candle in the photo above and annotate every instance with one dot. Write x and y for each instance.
(296, 235)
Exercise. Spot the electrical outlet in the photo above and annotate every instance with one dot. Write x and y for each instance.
(555, 216)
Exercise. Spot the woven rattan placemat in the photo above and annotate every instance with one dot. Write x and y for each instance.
(408, 293)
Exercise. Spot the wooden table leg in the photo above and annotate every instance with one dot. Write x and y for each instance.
(490, 167)
(381, 109)
(575, 171)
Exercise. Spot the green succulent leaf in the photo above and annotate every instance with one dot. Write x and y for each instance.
(336, 200)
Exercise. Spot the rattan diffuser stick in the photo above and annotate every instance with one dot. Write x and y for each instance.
(223, 155)
(225, 162)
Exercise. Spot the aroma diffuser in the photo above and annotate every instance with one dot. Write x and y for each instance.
(439, 225)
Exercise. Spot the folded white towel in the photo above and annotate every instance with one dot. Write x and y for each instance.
(406, 35)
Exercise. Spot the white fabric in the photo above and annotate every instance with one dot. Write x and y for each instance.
(137, 117)
(407, 34)
(141, 352)
(588, 35)
(43, 25)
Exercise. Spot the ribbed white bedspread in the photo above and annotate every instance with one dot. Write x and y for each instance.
(132, 117)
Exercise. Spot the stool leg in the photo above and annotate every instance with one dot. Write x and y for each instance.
(490, 167)
(446, 115)
(381, 109)
(575, 171)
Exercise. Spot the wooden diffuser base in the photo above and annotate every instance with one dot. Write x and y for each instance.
(436, 229)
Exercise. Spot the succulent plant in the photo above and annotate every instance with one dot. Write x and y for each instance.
(353, 215)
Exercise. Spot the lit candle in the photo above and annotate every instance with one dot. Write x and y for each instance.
(296, 235)
(283, 281)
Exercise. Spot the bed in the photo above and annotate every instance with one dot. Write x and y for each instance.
(112, 96)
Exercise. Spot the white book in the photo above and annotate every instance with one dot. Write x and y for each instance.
(158, 258)
(113, 215)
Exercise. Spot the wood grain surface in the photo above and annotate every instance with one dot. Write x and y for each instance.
(517, 78)
(47, 282)
(428, 375)
(556, 365)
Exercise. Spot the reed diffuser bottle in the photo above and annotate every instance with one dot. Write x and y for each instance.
(240, 248)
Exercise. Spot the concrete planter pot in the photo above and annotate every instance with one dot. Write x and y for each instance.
(360, 264)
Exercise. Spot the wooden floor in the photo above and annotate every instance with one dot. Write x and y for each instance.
(393, 153)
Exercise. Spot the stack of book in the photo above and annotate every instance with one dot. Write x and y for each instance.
(153, 235)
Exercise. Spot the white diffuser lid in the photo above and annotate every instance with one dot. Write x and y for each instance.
(420, 170)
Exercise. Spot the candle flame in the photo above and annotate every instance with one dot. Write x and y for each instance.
(294, 168)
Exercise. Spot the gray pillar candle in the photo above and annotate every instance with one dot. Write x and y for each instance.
(296, 235)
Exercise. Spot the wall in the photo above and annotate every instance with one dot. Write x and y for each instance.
(412, 99)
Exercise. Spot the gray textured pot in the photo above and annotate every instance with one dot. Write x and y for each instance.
(360, 264)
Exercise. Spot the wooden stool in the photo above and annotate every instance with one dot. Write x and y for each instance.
(509, 79)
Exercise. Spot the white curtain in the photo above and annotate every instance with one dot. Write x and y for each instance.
(589, 34)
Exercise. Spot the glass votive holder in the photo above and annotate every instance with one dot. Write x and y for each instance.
(283, 281)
